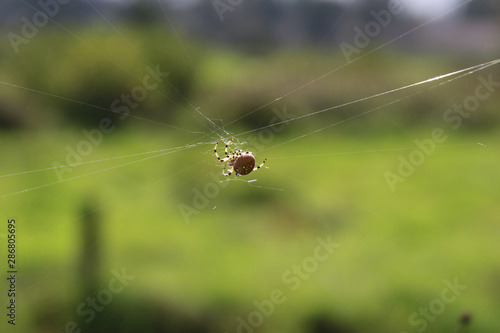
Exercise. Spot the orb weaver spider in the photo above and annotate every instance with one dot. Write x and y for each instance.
(241, 162)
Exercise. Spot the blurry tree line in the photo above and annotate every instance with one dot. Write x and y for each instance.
(304, 21)
(92, 67)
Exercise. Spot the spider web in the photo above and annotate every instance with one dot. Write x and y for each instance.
(218, 129)
(219, 132)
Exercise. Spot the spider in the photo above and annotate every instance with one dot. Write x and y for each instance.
(241, 162)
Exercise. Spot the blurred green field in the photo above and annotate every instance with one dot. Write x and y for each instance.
(202, 248)
(395, 249)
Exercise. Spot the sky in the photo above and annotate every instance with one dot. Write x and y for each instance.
(429, 8)
(424, 9)
(420, 8)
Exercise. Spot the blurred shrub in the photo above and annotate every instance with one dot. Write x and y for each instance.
(91, 68)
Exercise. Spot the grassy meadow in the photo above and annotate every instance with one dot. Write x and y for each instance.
(205, 253)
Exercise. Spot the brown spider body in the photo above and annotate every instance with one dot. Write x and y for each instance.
(240, 162)
(243, 164)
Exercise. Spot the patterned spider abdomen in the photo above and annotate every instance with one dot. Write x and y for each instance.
(244, 164)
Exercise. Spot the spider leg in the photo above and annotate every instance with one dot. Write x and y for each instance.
(227, 145)
(215, 151)
(229, 172)
(260, 166)
(224, 159)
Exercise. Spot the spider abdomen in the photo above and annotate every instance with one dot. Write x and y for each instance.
(244, 164)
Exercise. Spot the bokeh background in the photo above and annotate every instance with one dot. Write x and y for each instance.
(125, 223)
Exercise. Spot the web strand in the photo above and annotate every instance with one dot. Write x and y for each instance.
(167, 151)
(387, 150)
(81, 176)
(467, 71)
(464, 72)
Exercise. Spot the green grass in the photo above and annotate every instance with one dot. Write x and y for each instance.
(396, 248)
